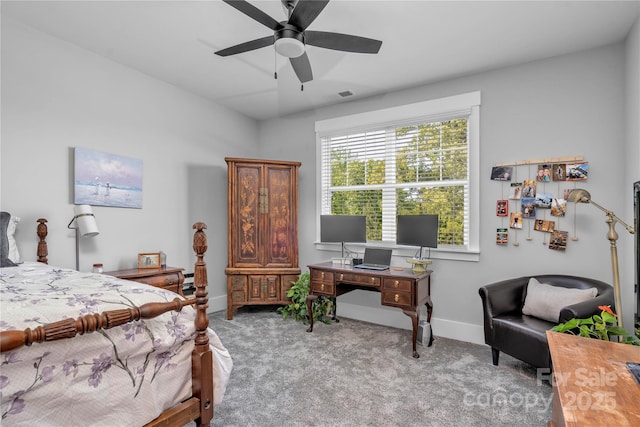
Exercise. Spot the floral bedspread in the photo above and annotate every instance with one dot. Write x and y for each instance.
(123, 376)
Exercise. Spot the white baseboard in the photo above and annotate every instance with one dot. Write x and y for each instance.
(217, 304)
(388, 316)
(396, 318)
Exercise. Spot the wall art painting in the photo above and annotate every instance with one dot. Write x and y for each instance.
(102, 179)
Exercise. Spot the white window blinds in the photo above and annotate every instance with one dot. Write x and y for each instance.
(400, 167)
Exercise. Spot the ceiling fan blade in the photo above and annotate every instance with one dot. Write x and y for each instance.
(247, 46)
(344, 42)
(302, 67)
(305, 12)
(253, 12)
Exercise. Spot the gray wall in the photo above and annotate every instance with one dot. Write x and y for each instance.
(631, 150)
(56, 96)
(573, 105)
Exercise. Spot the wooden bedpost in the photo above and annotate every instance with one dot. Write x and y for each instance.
(43, 251)
(202, 359)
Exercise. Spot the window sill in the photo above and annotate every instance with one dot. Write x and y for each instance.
(442, 252)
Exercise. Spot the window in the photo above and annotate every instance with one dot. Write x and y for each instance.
(415, 159)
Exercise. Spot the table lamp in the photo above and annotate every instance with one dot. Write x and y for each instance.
(85, 226)
(580, 195)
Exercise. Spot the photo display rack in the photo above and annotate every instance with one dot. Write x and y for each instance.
(533, 199)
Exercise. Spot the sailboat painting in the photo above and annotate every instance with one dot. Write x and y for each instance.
(102, 179)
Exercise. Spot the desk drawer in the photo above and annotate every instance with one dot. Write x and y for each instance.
(397, 299)
(322, 283)
(322, 276)
(397, 285)
(170, 281)
(322, 288)
(359, 279)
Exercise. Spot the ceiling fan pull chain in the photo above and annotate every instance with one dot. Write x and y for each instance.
(302, 88)
(275, 65)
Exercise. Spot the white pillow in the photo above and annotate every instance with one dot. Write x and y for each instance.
(9, 251)
(14, 254)
(546, 301)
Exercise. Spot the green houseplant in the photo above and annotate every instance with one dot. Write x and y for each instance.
(297, 308)
(601, 326)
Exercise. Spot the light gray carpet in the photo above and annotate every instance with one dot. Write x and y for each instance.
(354, 373)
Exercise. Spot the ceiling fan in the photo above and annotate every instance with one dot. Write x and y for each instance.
(290, 37)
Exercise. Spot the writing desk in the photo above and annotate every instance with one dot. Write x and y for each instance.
(399, 287)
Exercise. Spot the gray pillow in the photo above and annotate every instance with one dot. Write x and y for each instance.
(7, 241)
(546, 301)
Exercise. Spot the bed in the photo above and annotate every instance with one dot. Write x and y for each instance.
(91, 349)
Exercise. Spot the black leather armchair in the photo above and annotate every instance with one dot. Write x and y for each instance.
(524, 337)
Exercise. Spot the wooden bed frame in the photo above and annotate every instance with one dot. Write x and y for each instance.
(199, 407)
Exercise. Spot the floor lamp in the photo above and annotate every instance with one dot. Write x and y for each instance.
(85, 226)
(580, 195)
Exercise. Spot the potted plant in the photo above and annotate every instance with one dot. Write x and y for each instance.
(297, 308)
(601, 326)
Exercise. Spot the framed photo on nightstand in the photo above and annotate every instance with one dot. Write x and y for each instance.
(150, 260)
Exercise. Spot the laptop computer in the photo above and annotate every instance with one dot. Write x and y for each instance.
(375, 259)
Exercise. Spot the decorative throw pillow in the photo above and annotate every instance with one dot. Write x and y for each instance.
(9, 255)
(545, 301)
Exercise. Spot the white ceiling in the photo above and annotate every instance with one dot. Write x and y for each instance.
(423, 42)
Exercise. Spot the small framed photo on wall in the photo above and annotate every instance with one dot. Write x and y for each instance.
(501, 173)
(150, 260)
(502, 207)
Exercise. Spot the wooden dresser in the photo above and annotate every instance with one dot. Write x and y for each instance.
(591, 383)
(170, 278)
(262, 232)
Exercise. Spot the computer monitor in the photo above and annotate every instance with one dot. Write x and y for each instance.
(417, 230)
(343, 228)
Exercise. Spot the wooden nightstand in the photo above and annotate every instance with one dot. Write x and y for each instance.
(170, 278)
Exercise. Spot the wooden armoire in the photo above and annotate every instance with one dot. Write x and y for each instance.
(263, 232)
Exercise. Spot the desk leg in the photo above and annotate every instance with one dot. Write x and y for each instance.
(335, 310)
(310, 299)
(414, 321)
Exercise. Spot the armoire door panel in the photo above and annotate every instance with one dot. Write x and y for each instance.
(280, 217)
(246, 224)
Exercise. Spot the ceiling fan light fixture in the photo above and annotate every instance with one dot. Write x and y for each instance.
(291, 48)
